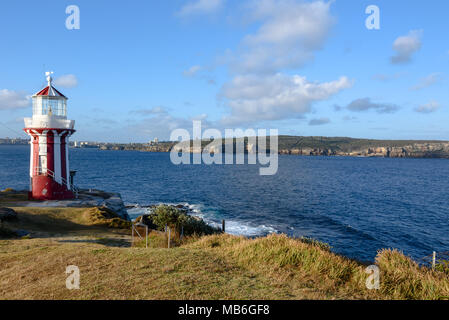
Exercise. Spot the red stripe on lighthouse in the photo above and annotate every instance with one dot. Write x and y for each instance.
(50, 152)
(35, 163)
(63, 158)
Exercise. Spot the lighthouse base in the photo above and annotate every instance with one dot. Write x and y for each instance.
(45, 188)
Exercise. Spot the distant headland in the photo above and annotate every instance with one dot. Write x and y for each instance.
(310, 146)
(294, 145)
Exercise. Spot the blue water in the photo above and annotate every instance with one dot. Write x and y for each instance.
(357, 205)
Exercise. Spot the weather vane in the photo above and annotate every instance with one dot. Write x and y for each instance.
(49, 78)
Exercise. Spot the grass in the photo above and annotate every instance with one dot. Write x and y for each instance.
(10, 196)
(218, 266)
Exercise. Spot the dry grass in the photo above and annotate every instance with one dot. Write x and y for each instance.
(9, 196)
(212, 267)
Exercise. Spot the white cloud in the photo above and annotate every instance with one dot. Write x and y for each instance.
(254, 98)
(66, 81)
(201, 7)
(192, 71)
(406, 46)
(430, 107)
(10, 99)
(428, 81)
(161, 125)
(289, 35)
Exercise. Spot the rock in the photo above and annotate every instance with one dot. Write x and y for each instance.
(7, 214)
(22, 233)
(115, 203)
(91, 198)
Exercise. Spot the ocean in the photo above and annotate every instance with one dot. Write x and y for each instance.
(357, 205)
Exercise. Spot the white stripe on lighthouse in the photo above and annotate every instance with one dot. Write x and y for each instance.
(33, 134)
(31, 156)
(57, 157)
(43, 152)
(31, 159)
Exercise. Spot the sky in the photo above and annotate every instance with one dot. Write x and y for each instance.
(138, 70)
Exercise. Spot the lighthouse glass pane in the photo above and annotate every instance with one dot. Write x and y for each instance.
(37, 106)
(42, 106)
(58, 107)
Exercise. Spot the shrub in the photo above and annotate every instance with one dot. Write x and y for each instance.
(177, 219)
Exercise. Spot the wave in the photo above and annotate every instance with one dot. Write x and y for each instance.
(213, 218)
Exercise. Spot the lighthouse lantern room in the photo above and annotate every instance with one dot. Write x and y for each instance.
(50, 130)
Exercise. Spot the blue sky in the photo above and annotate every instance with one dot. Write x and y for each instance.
(138, 70)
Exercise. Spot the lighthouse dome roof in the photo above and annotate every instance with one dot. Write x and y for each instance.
(50, 91)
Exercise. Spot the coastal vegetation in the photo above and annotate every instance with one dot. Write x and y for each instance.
(178, 220)
(216, 266)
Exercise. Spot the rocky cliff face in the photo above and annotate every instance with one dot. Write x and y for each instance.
(313, 146)
(418, 150)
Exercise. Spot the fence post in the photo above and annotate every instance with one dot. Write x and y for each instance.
(182, 232)
(169, 234)
(434, 260)
(223, 225)
(146, 237)
(132, 234)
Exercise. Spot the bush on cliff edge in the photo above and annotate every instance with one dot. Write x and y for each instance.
(177, 220)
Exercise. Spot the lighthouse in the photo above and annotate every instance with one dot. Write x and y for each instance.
(50, 130)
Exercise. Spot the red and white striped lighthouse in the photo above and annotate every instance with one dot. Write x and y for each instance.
(50, 130)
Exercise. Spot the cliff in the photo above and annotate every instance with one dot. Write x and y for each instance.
(317, 146)
(414, 150)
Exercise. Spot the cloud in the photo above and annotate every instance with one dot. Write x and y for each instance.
(319, 122)
(430, 107)
(150, 111)
(349, 118)
(386, 77)
(289, 34)
(366, 104)
(428, 81)
(10, 99)
(161, 125)
(66, 81)
(192, 71)
(201, 7)
(254, 98)
(406, 46)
